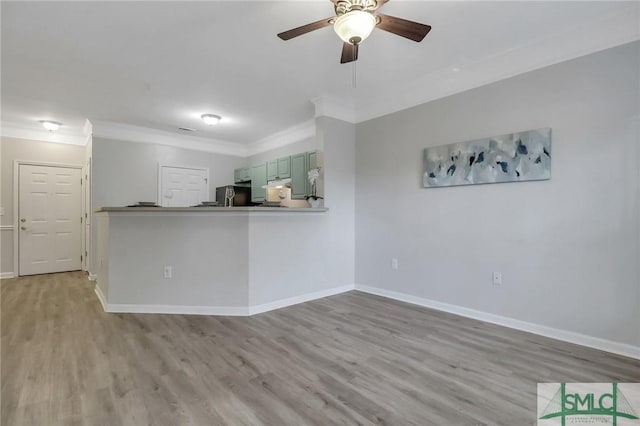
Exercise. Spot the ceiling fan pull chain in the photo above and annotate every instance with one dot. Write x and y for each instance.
(354, 74)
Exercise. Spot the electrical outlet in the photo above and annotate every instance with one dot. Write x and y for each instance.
(394, 263)
(168, 272)
(497, 278)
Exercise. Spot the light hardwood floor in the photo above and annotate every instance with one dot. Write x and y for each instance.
(347, 359)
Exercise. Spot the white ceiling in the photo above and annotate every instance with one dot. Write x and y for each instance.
(160, 65)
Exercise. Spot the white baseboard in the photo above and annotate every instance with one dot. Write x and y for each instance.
(101, 298)
(92, 277)
(216, 310)
(554, 333)
(231, 311)
(270, 306)
(6, 275)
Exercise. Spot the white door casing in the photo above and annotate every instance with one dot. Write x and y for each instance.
(87, 215)
(182, 186)
(49, 219)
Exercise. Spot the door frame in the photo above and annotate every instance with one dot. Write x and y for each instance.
(180, 166)
(16, 207)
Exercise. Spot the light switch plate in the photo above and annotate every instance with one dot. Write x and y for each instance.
(1, 211)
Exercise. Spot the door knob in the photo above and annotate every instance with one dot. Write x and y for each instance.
(23, 220)
(24, 228)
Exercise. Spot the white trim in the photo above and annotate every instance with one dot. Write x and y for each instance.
(92, 277)
(101, 298)
(227, 311)
(217, 310)
(606, 31)
(87, 130)
(6, 275)
(293, 134)
(35, 132)
(554, 333)
(127, 132)
(6, 227)
(341, 109)
(16, 198)
(277, 304)
(170, 309)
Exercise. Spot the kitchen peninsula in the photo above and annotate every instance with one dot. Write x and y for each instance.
(207, 260)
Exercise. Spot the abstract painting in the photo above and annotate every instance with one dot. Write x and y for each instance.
(507, 158)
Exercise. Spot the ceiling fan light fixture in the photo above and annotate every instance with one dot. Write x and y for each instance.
(210, 119)
(355, 26)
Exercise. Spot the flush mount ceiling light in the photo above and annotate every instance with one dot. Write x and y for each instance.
(211, 119)
(50, 125)
(355, 26)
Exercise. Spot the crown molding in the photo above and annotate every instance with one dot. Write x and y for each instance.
(87, 129)
(35, 133)
(607, 31)
(285, 137)
(130, 133)
(327, 106)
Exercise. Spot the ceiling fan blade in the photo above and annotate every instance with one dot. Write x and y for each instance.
(287, 35)
(408, 29)
(349, 53)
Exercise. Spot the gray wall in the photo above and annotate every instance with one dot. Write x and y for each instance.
(285, 255)
(291, 149)
(316, 253)
(26, 150)
(127, 172)
(124, 172)
(568, 248)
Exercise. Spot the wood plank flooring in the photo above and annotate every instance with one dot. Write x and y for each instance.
(348, 359)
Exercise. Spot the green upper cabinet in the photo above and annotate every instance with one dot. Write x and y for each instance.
(312, 163)
(242, 174)
(284, 167)
(279, 169)
(272, 170)
(258, 180)
(299, 176)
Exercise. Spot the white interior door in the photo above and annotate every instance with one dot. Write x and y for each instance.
(183, 187)
(50, 211)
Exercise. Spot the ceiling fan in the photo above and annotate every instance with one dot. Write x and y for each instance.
(354, 21)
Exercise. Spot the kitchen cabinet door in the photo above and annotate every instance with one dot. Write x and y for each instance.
(299, 176)
(243, 174)
(312, 163)
(272, 170)
(284, 167)
(258, 180)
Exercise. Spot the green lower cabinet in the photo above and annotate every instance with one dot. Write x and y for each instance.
(299, 176)
(258, 180)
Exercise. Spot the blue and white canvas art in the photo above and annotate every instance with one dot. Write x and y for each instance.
(514, 157)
